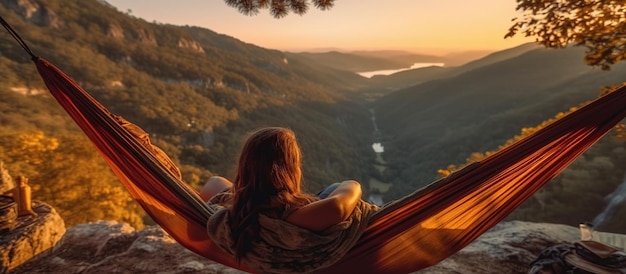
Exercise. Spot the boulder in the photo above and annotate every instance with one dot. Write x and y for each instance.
(33, 12)
(6, 181)
(31, 236)
(510, 247)
(114, 247)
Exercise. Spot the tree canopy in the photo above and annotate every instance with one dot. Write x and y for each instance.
(278, 8)
(598, 25)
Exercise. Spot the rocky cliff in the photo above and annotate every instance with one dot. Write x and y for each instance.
(107, 247)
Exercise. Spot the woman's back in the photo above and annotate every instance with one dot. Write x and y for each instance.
(268, 182)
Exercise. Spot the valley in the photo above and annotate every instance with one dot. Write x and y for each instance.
(198, 93)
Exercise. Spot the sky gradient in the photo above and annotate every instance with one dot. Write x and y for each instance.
(434, 26)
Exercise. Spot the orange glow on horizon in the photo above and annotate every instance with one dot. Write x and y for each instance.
(433, 26)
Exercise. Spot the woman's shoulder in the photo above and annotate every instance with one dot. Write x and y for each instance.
(288, 212)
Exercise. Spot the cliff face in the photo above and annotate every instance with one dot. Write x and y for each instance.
(34, 12)
(107, 247)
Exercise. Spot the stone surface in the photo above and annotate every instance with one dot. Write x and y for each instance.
(112, 247)
(32, 235)
(6, 181)
(510, 247)
(33, 12)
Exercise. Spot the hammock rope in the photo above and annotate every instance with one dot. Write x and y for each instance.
(407, 235)
(17, 38)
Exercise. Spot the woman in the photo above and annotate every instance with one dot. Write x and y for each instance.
(268, 182)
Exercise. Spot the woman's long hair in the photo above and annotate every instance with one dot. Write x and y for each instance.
(268, 181)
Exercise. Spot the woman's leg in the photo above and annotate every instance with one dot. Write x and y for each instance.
(213, 186)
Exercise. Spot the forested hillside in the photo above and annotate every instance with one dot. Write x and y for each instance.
(196, 92)
(589, 190)
(441, 122)
(449, 121)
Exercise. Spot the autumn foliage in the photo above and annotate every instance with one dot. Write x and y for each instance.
(597, 25)
(66, 172)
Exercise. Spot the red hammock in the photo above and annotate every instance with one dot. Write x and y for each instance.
(415, 232)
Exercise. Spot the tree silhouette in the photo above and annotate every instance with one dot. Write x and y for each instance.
(278, 8)
(598, 25)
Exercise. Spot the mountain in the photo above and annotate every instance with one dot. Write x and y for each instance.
(195, 91)
(400, 56)
(496, 57)
(439, 122)
(404, 79)
(361, 61)
(456, 59)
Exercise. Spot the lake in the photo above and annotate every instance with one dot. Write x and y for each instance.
(369, 74)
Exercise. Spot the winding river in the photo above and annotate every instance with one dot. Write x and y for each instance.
(377, 188)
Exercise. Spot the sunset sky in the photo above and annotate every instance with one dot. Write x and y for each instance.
(435, 26)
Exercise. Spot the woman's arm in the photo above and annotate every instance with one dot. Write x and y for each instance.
(213, 186)
(337, 207)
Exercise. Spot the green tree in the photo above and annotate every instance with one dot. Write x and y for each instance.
(278, 8)
(598, 25)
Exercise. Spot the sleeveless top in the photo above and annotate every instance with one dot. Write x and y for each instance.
(286, 248)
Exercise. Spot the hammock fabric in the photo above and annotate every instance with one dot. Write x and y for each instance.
(412, 233)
